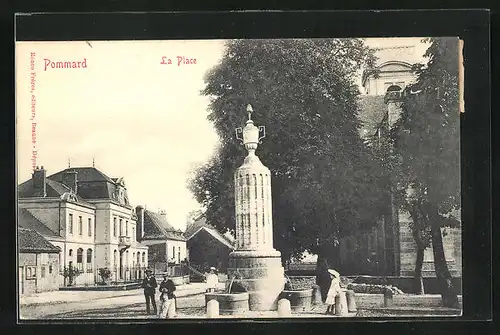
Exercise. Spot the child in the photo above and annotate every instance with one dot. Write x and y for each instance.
(333, 291)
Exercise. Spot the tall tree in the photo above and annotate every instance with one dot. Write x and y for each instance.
(426, 140)
(304, 91)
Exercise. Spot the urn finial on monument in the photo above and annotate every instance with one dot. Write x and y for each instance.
(251, 133)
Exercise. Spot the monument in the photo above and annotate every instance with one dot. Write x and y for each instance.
(255, 264)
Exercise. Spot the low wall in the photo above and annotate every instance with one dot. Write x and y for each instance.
(370, 301)
(406, 284)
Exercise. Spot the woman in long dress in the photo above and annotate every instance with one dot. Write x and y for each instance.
(333, 291)
(212, 280)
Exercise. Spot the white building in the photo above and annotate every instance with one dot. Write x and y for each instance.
(87, 215)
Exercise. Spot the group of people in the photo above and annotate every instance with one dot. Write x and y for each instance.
(167, 296)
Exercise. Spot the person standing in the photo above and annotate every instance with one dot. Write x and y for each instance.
(149, 285)
(212, 280)
(333, 291)
(167, 298)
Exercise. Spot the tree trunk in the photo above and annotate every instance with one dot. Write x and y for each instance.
(443, 275)
(421, 245)
(418, 280)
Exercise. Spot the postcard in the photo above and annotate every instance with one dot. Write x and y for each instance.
(245, 178)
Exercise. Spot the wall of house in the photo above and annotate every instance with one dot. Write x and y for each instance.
(44, 268)
(87, 277)
(48, 211)
(176, 251)
(206, 251)
(378, 86)
(408, 253)
(368, 253)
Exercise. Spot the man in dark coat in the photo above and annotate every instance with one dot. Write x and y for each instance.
(149, 284)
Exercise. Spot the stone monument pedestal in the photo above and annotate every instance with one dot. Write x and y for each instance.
(260, 272)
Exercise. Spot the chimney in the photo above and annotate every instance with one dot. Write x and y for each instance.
(139, 210)
(163, 214)
(39, 178)
(69, 178)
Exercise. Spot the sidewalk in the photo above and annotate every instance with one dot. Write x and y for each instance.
(60, 297)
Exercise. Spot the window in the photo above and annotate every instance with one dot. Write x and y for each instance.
(50, 268)
(70, 252)
(179, 254)
(126, 228)
(121, 227)
(114, 227)
(80, 226)
(143, 257)
(30, 272)
(79, 259)
(70, 224)
(42, 273)
(90, 227)
(89, 260)
(133, 234)
(114, 258)
(173, 253)
(138, 258)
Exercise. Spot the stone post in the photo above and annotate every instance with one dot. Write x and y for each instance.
(284, 308)
(212, 309)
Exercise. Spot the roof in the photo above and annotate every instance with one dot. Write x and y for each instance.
(54, 189)
(30, 241)
(85, 174)
(157, 227)
(202, 225)
(26, 219)
(371, 112)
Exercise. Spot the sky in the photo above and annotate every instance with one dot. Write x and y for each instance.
(135, 117)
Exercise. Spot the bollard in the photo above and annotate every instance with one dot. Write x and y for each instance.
(284, 308)
(388, 295)
(351, 301)
(212, 309)
(341, 304)
(316, 296)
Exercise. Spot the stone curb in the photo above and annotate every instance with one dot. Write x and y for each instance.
(193, 292)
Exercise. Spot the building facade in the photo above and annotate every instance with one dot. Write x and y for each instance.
(38, 263)
(389, 248)
(167, 245)
(207, 247)
(87, 215)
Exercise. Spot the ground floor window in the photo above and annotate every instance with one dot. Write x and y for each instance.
(79, 259)
(30, 272)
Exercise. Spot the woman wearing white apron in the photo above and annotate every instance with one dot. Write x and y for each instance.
(212, 280)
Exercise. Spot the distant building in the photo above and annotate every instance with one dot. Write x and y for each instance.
(389, 248)
(167, 245)
(38, 263)
(88, 215)
(207, 247)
